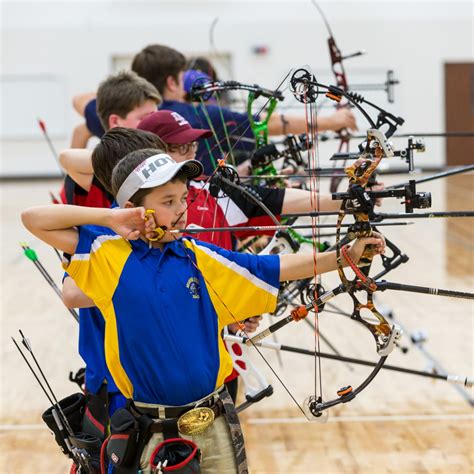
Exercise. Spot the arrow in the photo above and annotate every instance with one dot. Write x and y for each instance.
(42, 126)
(454, 379)
(30, 254)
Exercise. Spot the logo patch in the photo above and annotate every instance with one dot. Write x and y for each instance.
(179, 118)
(193, 286)
(147, 168)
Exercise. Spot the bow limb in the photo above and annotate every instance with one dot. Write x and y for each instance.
(337, 67)
(213, 51)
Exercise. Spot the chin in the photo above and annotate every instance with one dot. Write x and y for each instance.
(170, 238)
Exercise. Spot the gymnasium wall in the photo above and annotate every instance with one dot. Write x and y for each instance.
(52, 50)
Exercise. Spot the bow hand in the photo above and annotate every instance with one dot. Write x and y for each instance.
(367, 247)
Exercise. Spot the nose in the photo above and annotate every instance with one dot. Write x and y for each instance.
(181, 208)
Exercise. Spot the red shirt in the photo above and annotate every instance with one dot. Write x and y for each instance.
(97, 196)
(204, 211)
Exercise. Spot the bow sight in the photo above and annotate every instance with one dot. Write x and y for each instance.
(406, 154)
(360, 200)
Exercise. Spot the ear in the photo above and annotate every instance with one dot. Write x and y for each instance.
(171, 83)
(113, 120)
(128, 205)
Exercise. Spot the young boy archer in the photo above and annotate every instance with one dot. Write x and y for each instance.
(203, 210)
(165, 301)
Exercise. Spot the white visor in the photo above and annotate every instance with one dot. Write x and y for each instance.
(153, 172)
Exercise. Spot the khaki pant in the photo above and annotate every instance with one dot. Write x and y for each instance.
(216, 447)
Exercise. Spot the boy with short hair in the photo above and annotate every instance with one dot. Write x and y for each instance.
(123, 100)
(166, 301)
(113, 146)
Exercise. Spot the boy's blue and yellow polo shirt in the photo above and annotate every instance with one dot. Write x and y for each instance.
(164, 310)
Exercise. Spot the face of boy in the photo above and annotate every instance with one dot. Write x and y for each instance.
(175, 88)
(169, 203)
(134, 117)
(180, 86)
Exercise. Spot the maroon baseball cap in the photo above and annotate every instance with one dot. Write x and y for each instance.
(172, 128)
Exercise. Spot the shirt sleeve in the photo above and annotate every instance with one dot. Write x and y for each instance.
(240, 285)
(97, 264)
(66, 260)
(92, 119)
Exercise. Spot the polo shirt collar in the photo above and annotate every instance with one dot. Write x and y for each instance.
(141, 248)
(168, 103)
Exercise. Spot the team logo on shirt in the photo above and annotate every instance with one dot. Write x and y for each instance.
(193, 286)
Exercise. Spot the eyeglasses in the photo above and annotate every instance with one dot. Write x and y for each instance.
(184, 149)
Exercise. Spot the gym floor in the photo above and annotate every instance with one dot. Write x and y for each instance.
(399, 424)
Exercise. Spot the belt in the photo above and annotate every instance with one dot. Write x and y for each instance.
(202, 419)
(163, 412)
(174, 412)
(188, 419)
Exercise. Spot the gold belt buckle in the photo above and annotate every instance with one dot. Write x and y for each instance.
(195, 421)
